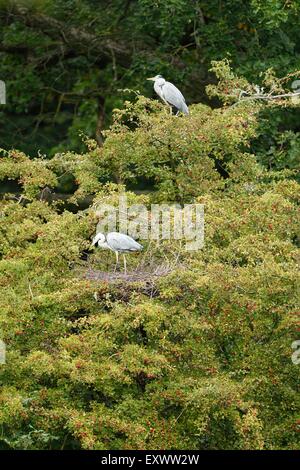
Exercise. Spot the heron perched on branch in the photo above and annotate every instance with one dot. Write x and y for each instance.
(117, 242)
(170, 95)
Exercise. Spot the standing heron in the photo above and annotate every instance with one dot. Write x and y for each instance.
(117, 242)
(170, 95)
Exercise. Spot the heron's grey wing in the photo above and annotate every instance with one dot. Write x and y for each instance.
(173, 96)
(121, 242)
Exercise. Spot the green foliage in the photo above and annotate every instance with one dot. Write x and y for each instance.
(65, 62)
(202, 359)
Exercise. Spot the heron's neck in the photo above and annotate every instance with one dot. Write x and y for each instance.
(160, 82)
(103, 245)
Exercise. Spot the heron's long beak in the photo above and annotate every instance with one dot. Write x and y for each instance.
(152, 79)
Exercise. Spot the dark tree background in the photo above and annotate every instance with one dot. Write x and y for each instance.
(68, 63)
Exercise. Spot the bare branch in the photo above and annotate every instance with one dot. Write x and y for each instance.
(263, 96)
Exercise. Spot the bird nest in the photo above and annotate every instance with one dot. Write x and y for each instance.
(138, 275)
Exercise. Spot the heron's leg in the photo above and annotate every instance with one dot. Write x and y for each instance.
(125, 268)
(171, 110)
(117, 260)
(166, 103)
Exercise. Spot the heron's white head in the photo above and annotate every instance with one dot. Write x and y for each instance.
(157, 77)
(98, 238)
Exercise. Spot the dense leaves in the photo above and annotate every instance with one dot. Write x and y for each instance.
(201, 357)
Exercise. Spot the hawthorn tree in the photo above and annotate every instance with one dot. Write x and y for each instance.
(199, 358)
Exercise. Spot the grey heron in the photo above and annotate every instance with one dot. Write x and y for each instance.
(117, 242)
(170, 95)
